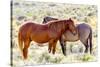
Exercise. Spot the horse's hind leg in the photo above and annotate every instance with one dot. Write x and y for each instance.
(90, 46)
(86, 46)
(25, 49)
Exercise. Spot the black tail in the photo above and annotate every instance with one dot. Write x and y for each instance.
(90, 40)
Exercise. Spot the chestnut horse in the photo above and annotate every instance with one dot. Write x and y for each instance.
(42, 33)
(84, 34)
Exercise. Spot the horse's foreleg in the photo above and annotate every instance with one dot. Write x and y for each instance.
(50, 47)
(54, 46)
(25, 50)
(63, 46)
(86, 46)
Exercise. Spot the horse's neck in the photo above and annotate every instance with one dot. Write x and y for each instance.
(58, 27)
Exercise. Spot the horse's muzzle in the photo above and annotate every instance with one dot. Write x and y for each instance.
(74, 33)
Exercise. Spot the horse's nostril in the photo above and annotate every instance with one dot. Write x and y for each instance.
(74, 32)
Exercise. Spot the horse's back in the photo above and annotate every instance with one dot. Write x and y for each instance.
(26, 26)
(33, 26)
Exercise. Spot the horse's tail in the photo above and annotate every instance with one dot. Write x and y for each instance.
(90, 40)
(20, 41)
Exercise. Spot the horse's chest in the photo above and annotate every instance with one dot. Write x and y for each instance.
(68, 36)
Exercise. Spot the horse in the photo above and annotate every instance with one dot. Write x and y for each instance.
(42, 33)
(84, 34)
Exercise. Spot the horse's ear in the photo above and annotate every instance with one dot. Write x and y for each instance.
(70, 19)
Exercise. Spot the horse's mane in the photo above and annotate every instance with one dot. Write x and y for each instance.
(56, 21)
(46, 19)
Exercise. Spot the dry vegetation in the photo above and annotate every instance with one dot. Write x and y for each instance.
(36, 11)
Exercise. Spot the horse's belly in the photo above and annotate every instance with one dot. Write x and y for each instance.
(41, 41)
(40, 38)
(70, 37)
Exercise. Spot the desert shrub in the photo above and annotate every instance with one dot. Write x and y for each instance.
(87, 57)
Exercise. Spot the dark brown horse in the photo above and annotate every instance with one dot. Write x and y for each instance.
(84, 34)
(42, 33)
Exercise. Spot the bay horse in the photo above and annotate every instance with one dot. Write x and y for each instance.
(84, 34)
(42, 33)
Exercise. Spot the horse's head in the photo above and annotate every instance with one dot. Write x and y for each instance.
(71, 26)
